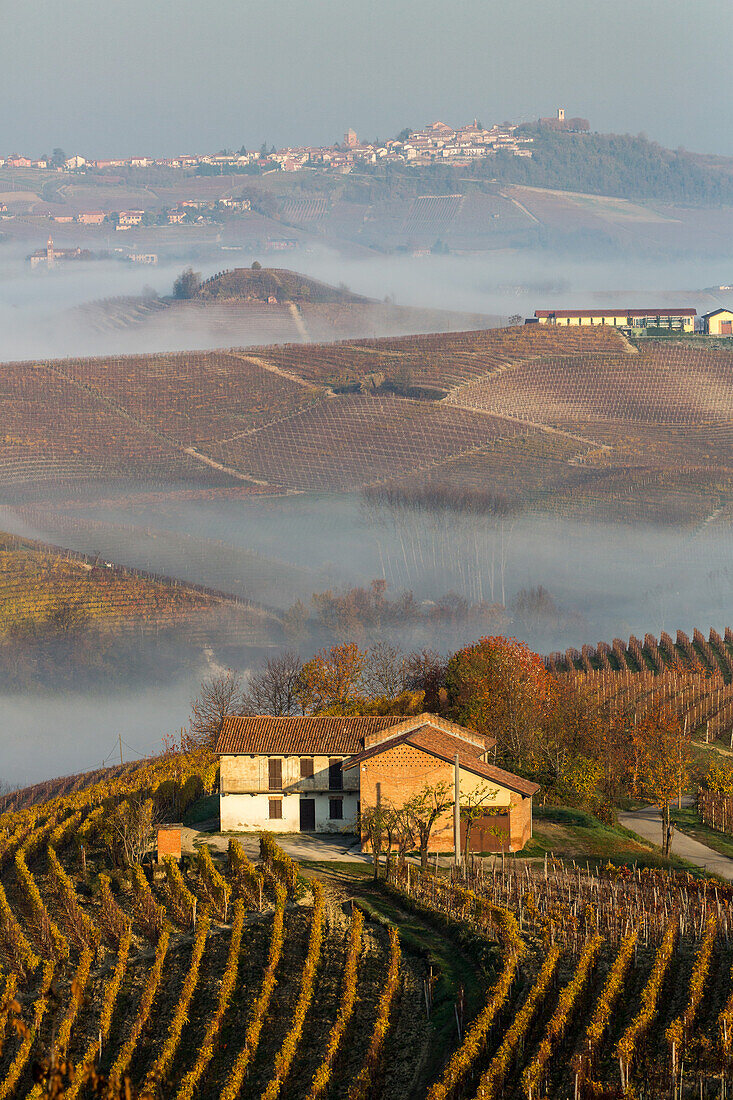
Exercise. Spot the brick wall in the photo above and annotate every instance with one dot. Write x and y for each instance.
(169, 842)
(402, 771)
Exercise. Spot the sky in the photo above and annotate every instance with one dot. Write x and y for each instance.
(153, 77)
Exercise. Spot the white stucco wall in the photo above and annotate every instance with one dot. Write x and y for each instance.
(251, 812)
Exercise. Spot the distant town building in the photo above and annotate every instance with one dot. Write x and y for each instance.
(91, 217)
(560, 122)
(50, 255)
(127, 218)
(350, 138)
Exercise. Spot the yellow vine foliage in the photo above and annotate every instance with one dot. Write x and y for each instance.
(474, 1040)
(649, 998)
(17, 1066)
(157, 1073)
(284, 1057)
(208, 1046)
(345, 1009)
(493, 1077)
(237, 1074)
(558, 1022)
(144, 1009)
(361, 1086)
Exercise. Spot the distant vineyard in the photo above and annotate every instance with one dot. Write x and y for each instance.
(568, 419)
(345, 443)
(674, 385)
(43, 587)
(694, 677)
(437, 359)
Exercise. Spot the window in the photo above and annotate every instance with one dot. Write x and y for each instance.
(306, 767)
(275, 776)
(276, 809)
(336, 809)
(335, 776)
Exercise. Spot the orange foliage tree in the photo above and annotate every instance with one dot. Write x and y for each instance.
(500, 688)
(663, 753)
(332, 678)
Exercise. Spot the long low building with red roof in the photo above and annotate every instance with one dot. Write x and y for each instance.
(677, 319)
(317, 773)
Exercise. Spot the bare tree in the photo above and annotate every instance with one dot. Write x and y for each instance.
(423, 810)
(373, 822)
(132, 828)
(424, 670)
(384, 671)
(219, 697)
(271, 690)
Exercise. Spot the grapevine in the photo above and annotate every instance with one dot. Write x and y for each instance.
(285, 1055)
(345, 1009)
(493, 1077)
(207, 1048)
(649, 998)
(144, 1009)
(236, 1077)
(361, 1086)
(561, 1017)
(158, 1072)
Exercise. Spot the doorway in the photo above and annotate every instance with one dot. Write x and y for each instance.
(307, 814)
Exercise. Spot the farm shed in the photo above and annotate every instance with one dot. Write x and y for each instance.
(719, 322)
(396, 765)
(681, 320)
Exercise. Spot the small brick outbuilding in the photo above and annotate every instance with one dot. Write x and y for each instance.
(396, 764)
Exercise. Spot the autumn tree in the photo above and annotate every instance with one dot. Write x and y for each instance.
(331, 678)
(664, 757)
(219, 697)
(719, 777)
(500, 688)
(130, 829)
(272, 689)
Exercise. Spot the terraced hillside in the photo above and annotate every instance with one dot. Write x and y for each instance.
(574, 420)
(231, 975)
(46, 589)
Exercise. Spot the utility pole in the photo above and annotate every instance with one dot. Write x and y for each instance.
(457, 813)
(119, 738)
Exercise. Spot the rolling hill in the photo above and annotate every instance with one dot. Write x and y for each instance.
(573, 420)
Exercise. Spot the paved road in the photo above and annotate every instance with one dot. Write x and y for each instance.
(327, 847)
(647, 823)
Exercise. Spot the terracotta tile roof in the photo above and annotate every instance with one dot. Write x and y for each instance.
(445, 746)
(327, 736)
(620, 312)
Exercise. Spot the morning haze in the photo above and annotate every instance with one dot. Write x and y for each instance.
(178, 76)
(366, 550)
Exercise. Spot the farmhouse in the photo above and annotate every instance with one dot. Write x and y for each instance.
(719, 322)
(318, 773)
(682, 320)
